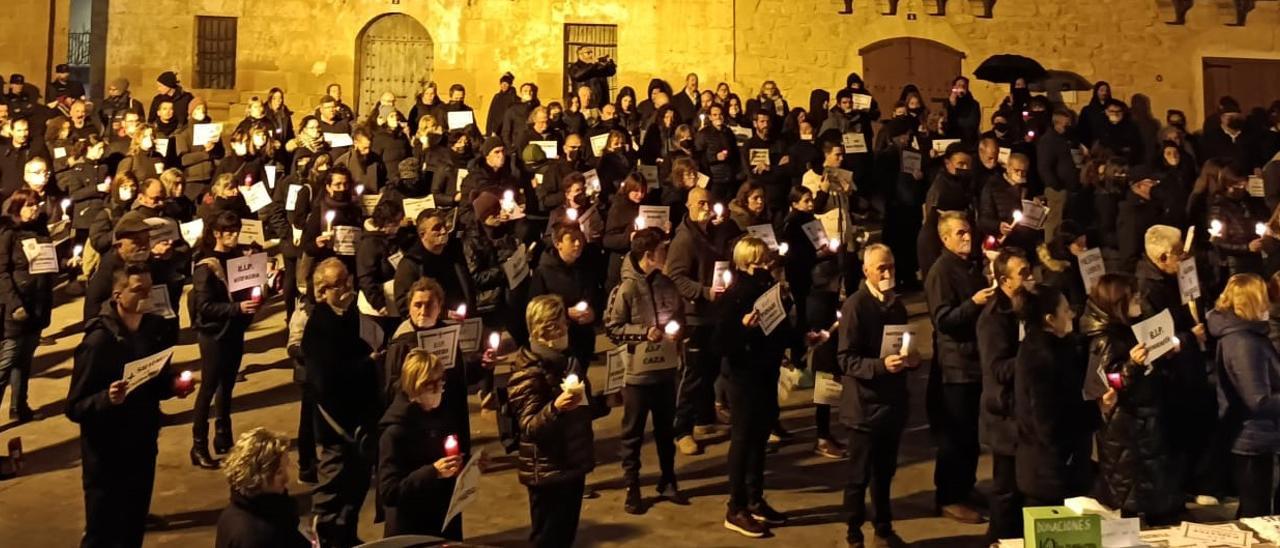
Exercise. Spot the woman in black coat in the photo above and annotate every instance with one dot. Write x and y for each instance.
(619, 224)
(26, 297)
(333, 206)
(1248, 369)
(1054, 422)
(1060, 263)
(221, 319)
(1135, 473)
(1237, 243)
(85, 182)
(419, 452)
(261, 513)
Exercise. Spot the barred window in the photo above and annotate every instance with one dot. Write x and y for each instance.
(602, 38)
(215, 52)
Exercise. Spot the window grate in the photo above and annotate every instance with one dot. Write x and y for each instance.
(602, 38)
(215, 52)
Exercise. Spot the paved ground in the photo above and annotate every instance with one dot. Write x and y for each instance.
(43, 507)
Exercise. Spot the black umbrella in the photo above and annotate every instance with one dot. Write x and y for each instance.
(1005, 68)
(1061, 80)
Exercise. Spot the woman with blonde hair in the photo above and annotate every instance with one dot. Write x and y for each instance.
(1248, 370)
(419, 455)
(752, 358)
(261, 514)
(142, 161)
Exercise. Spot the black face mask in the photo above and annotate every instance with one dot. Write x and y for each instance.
(686, 143)
(1000, 127)
(1180, 124)
(963, 173)
(1236, 124)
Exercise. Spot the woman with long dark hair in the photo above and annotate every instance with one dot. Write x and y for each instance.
(26, 294)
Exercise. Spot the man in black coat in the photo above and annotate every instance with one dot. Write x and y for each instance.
(1056, 154)
(770, 168)
(956, 292)
(1141, 209)
(502, 100)
(594, 73)
(998, 340)
(434, 256)
(1232, 139)
(168, 89)
(21, 148)
(516, 118)
(119, 426)
(343, 377)
(562, 271)
(874, 400)
(687, 102)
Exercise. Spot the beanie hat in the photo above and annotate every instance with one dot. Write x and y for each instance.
(490, 144)
(533, 154)
(168, 78)
(121, 84)
(508, 78)
(486, 204)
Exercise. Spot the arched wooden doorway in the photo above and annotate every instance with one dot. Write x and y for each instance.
(888, 65)
(394, 53)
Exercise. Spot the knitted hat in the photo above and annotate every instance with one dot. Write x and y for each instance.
(121, 84)
(508, 78)
(490, 144)
(486, 204)
(168, 78)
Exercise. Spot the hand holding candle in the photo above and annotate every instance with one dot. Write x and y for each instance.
(183, 383)
(783, 248)
(451, 448)
(1260, 229)
(833, 244)
(1215, 228)
(508, 202)
(256, 294)
(718, 210)
(459, 313)
(66, 207)
(328, 220)
(494, 340)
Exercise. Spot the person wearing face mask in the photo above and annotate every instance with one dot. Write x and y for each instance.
(198, 163)
(86, 183)
(718, 154)
(391, 143)
(261, 512)
(1000, 198)
(874, 399)
(1054, 423)
(121, 191)
(998, 340)
(342, 375)
(952, 190)
(334, 205)
(242, 163)
(486, 246)
(1093, 117)
(585, 215)
(416, 474)
(1120, 134)
(130, 245)
(26, 296)
(565, 271)
(1141, 209)
(118, 427)
(620, 224)
(442, 162)
(964, 114)
(142, 161)
(1136, 471)
(554, 418)
(1237, 244)
(489, 172)
(374, 270)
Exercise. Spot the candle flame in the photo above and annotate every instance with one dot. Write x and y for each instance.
(572, 214)
(462, 311)
(571, 380)
(783, 248)
(494, 340)
(1261, 229)
(718, 209)
(1017, 216)
(672, 327)
(833, 244)
(185, 376)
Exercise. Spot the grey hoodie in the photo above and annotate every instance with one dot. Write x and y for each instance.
(636, 304)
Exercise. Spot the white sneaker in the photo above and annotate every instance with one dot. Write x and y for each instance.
(1207, 500)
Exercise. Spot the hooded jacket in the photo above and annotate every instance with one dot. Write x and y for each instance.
(555, 446)
(1248, 384)
(638, 303)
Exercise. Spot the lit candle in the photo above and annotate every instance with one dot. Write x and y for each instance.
(991, 244)
(672, 328)
(1031, 134)
(571, 214)
(783, 248)
(718, 209)
(256, 294)
(184, 381)
(328, 220)
(639, 223)
(1261, 229)
(906, 343)
(1215, 228)
(833, 244)
(727, 277)
(77, 251)
(1017, 216)
(66, 206)
(359, 190)
(508, 201)
(461, 312)
(1115, 380)
(451, 448)
(1176, 342)
(494, 340)
(839, 315)
(571, 383)
(581, 306)
(248, 180)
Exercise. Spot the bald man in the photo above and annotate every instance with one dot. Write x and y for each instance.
(701, 240)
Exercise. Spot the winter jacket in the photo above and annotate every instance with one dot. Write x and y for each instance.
(949, 288)
(391, 148)
(1239, 216)
(574, 283)
(752, 355)
(710, 142)
(373, 266)
(691, 259)
(448, 268)
(998, 350)
(411, 440)
(1055, 163)
(555, 446)
(213, 310)
(1060, 270)
(595, 76)
(806, 271)
(1248, 371)
(1054, 422)
(266, 520)
(198, 164)
(640, 302)
(1135, 467)
(873, 398)
(342, 376)
(998, 201)
(485, 251)
(80, 182)
(19, 288)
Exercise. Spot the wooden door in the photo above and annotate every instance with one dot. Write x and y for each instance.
(1254, 83)
(889, 65)
(395, 54)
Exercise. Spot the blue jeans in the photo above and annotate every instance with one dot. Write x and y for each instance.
(16, 354)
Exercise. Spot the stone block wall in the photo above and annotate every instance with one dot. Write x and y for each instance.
(24, 39)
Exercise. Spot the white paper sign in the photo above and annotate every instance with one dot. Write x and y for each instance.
(460, 119)
(1257, 188)
(257, 196)
(203, 134)
(758, 157)
(861, 101)
(654, 356)
(516, 267)
(764, 233)
(469, 335)
(740, 133)
(192, 231)
(1033, 214)
(650, 174)
(616, 360)
(1077, 157)
(1157, 333)
(891, 341)
(271, 175)
(160, 304)
(291, 201)
(415, 206)
(769, 309)
(655, 216)
(371, 333)
(1092, 268)
(60, 153)
(841, 179)
(854, 143)
(159, 167)
(593, 182)
(717, 275)
(344, 239)
(1003, 155)
(826, 389)
(246, 272)
(388, 295)
(549, 148)
(41, 258)
(598, 143)
(338, 140)
(1188, 280)
(462, 176)
(1120, 533)
(1215, 535)
(442, 343)
(368, 202)
(162, 148)
(251, 232)
(467, 489)
(910, 161)
(142, 370)
(940, 145)
(788, 379)
(703, 180)
(816, 234)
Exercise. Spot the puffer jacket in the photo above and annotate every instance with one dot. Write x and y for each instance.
(1238, 217)
(1248, 384)
(81, 184)
(555, 446)
(485, 250)
(636, 304)
(1135, 472)
(997, 351)
(33, 293)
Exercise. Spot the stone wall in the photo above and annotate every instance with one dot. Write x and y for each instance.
(24, 39)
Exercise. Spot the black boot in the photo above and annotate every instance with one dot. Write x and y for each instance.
(634, 504)
(668, 489)
(222, 440)
(200, 455)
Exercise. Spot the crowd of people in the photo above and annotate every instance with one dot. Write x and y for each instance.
(719, 243)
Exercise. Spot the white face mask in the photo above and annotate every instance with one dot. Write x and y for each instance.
(126, 194)
(431, 400)
(37, 182)
(259, 142)
(240, 148)
(146, 144)
(885, 285)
